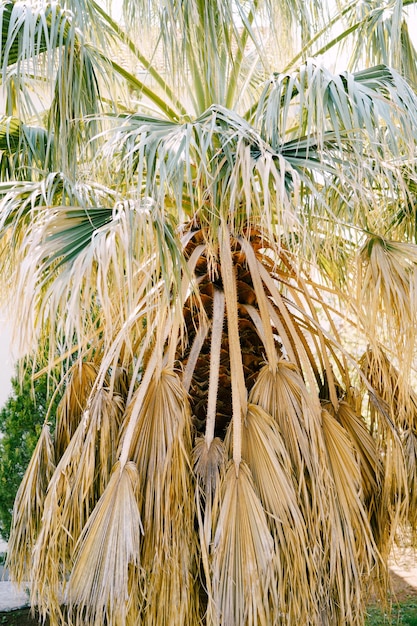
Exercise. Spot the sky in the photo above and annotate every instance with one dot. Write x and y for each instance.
(6, 360)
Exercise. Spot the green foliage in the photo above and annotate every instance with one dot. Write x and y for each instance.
(21, 420)
(402, 614)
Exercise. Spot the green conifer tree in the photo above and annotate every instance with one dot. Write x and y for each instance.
(21, 420)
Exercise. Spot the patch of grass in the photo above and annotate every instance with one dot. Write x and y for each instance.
(402, 614)
(20, 617)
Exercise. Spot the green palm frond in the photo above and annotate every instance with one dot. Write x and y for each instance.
(83, 234)
(24, 150)
(383, 35)
(17, 18)
(316, 100)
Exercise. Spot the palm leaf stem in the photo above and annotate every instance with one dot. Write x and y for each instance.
(186, 287)
(130, 430)
(216, 344)
(300, 345)
(239, 399)
(302, 53)
(198, 343)
(134, 82)
(261, 297)
(328, 369)
(237, 64)
(143, 60)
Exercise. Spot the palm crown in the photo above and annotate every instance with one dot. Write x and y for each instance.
(219, 254)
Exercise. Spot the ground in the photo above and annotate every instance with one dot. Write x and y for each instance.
(403, 570)
(403, 573)
(21, 617)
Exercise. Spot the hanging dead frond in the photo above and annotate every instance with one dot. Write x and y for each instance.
(78, 482)
(395, 500)
(105, 582)
(209, 463)
(52, 553)
(264, 451)
(393, 402)
(352, 552)
(73, 403)
(243, 578)
(366, 449)
(284, 396)
(387, 291)
(162, 449)
(392, 412)
(29, 506)
(209, 468)
(410, 453)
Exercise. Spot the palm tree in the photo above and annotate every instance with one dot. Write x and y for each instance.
(218, 248)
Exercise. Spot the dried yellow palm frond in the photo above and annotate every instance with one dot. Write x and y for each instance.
(262, 301)
(107, 409)
(410, 453)
(393, 410)
(104, 586)
(284, 396)
(82, 377)
(264, 451)
(290, 330)
(52, 553)
(394, 507)
(340, 550)
(387, 280)
(365, 446)
(119, 381)
(243, 581)
(79, 480)
(351, 551)
(307, 298)
(162, 449)
(89, 475)
(29, 506)
(390, 387)
(209, 467)
(209, 463)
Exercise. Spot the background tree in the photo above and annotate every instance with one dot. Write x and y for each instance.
(230, 248)
(21, 420)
